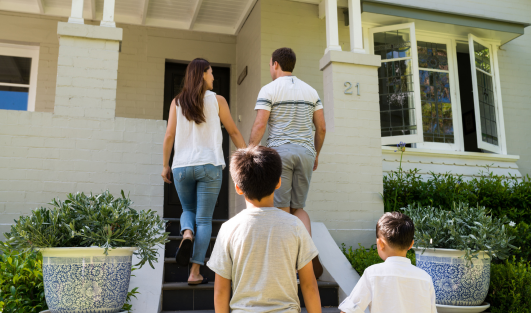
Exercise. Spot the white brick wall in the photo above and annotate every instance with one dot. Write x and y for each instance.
(45, 156)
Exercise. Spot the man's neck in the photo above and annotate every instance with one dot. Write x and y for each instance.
(283, 74)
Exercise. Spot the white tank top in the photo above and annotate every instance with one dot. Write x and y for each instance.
(199, 144)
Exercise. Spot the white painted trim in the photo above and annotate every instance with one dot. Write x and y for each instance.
(108, 14)
(456, 109)
(249, 7)
(499, 108)
(455, 154)
(195, 13)
(40, 5)
(481, 144)
(332, 29)
(27, 52)
(418, 137)
(145, 6)
(76, 14)
(356, 31)
(334, 261)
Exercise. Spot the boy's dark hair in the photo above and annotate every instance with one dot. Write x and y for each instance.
(285, 57)
(256, 170)
(397, 229)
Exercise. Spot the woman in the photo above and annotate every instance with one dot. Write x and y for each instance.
(194, 126)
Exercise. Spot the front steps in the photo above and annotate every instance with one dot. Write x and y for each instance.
(178, 296)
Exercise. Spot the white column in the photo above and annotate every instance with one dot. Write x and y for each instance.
(356, 37)
(332, 33)
(108, 14)
(76, 16)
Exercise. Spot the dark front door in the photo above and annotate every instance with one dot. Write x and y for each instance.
(173, 83)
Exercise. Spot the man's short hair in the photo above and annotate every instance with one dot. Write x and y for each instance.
(256, 170)
(397, 229)
(285, 57)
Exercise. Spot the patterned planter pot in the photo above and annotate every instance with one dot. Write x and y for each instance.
(456, 283)
(84, 280)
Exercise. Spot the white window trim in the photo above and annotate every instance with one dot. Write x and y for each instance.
(26, 52)
(494, 45)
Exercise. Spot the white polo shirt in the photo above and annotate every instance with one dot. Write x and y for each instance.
(393, 286)
(292, 103)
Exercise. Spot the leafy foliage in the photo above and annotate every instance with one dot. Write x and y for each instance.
(361, 258)
(510, 287)
(91, 220)
(502, 196)
(522, 240)
(21, 285)
(466, 228)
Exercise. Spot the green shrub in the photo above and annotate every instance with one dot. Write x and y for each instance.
(21, 285)
(362, 258)
(502, 196)
(522, 240)
(510, 287)
(466, 228)
(91, 220)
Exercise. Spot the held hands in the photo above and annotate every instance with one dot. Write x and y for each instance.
(166, 174)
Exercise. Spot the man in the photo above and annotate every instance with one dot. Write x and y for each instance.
(290, 106)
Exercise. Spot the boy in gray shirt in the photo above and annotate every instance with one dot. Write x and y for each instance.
(261, 249)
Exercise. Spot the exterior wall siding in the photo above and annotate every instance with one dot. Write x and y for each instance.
(509, 10)
(247, 54)
(140, 92)
(29, 29)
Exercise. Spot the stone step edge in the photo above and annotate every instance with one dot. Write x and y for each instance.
(210, 285)
(172, 260)
(324, 310)
(173, 238)
(176, 219)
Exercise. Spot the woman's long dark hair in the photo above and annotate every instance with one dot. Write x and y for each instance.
(191, 96)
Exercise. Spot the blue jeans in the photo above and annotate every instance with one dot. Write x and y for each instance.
(198, 189)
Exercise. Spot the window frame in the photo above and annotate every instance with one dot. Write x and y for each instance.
(494, 73)
(432, 36)
(418, 137)
(25, 52)
(454, 95)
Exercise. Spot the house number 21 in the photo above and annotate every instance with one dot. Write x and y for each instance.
(348, 91)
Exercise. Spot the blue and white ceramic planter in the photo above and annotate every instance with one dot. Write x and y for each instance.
(85, 280)
(455, 282)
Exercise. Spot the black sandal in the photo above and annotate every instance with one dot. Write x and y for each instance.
(182, 257)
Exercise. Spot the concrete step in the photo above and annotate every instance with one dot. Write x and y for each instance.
(175, 241)
(175, 273)
(324, 310)
(173, 226)
(179, 296)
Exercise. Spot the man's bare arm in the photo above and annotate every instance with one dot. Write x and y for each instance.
(320, 132)
(259, 127)
(309, 289)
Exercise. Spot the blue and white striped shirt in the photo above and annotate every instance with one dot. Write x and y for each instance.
(292, 103)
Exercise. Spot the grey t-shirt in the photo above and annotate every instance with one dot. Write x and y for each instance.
(261, 250)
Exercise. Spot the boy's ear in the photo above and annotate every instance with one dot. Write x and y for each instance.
(279, 183)
(412, 243)
(380, 243)
(238, 190)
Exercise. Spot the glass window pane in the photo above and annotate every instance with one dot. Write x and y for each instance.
(437, 119)
(393, 44)
(15, 70)
(397, 110)
(482, 57)
(432, 55)
(13, 98)
(487, 111)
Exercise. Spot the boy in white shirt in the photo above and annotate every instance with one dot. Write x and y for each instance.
(396, 285)
(260, 250)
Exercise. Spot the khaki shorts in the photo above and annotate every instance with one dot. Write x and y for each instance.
(297, 169)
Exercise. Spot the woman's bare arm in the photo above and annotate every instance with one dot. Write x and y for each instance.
(228, 122)
(169, 139)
